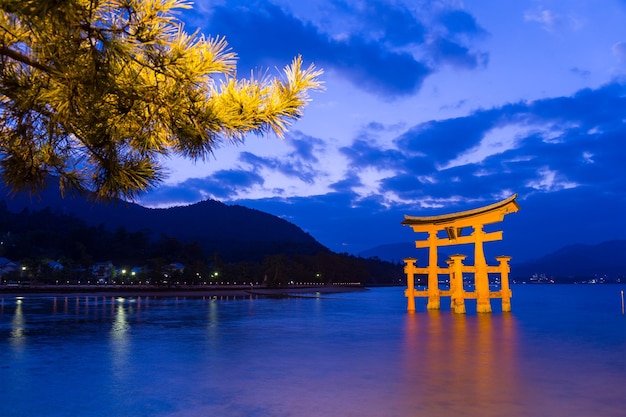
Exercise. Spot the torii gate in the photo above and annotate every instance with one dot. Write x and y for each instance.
(454, 225)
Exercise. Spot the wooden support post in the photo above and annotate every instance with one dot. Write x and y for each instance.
(434, 302)
(504, 280)
(453, 282)
(458, 294)
(481, 280)
(409, 270)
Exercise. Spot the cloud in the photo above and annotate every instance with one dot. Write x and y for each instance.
(445, 51)
(443, 140)
(552, 21)
(542, 146)
(527, 147)
(363, 154)
(222, 185)
(392, 24)
(549, 180)
(300, 163)
(305, 146)
(580, 72)
(349, 183)
(619, 51)
(294, 168)
(267, 35)
(382, 48)
(548, 19)
(443, 36)
(591, 108)
(450, 40)
(379, 70)
(460, 23)
(494, 141)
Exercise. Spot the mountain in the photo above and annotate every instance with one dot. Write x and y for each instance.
(236, 232)
(396, 252)
(580, 261)
(393, 252)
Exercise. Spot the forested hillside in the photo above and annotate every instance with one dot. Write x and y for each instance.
(54, 245)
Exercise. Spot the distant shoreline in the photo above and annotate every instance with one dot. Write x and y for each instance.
(172, 291)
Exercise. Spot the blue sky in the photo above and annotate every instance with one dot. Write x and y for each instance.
(429, 107)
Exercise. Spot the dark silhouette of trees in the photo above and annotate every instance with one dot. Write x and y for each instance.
(35, 239)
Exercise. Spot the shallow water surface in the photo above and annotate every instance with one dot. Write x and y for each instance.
(562, 351)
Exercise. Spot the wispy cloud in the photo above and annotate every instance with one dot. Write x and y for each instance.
(552, 21)
(619, 50)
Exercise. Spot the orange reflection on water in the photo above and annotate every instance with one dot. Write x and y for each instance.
(463, 365)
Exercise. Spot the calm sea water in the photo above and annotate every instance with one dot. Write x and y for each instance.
(561, 352)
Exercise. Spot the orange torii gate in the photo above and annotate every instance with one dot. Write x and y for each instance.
(454, 225)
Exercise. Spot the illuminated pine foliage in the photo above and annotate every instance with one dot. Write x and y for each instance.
(100, 92)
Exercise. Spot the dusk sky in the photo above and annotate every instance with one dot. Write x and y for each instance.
(429, 107)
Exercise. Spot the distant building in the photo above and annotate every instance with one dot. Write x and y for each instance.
(175, 267)
(103, 271)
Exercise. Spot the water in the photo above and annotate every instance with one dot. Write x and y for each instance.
(562, 351)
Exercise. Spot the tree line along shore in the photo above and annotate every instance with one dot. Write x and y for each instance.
(52, 248)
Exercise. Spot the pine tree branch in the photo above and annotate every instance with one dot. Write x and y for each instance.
(8, 52)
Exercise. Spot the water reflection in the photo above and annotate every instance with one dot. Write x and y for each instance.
(119, 337)
(457, 364)
(18, 325)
